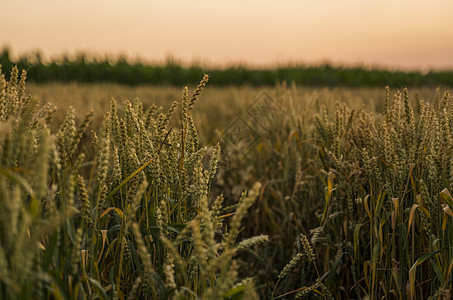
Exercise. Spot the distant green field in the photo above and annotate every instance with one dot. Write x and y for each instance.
(83, 68)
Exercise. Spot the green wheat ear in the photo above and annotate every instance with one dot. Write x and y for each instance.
(308, 250)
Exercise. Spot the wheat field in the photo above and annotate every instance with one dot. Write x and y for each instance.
(113, 192)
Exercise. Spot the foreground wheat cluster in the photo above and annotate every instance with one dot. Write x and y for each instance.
(133, 222)
(356, 206)
(388, 179)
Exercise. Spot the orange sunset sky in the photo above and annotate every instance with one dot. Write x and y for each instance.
(397, 34)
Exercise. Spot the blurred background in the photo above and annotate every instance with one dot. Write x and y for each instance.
(400, 34)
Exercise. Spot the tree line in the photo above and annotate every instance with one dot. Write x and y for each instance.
(89, 69)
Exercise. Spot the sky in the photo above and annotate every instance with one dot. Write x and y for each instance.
(399, 34)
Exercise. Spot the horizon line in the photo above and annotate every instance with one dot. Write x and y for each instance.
(171, 59)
